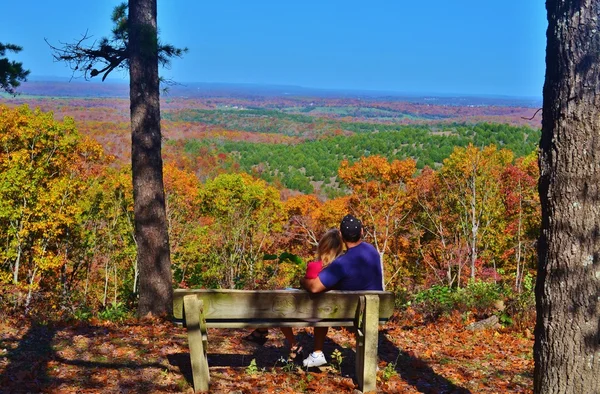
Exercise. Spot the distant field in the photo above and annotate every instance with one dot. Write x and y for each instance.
(298, 141)
(370, 113)
(298, 166)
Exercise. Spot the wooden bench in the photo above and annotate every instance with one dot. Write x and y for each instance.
(364, 310)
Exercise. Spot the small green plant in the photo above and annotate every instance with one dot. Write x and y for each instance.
(478, 296)
(465, 316)
(83, 314)
(506, 320)
(252, 369)
(182, 384)
(287, 365)
(435, 301)
(388, 372)
(527, 295)
(520, 306)
(115, 312)
(336, 360)
(481, 296)
(302, 384)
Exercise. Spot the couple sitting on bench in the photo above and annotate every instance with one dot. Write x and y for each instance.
(357, 269)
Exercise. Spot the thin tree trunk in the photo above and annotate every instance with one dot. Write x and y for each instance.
(381, 254)
(474, 225)
(135, 277)
(116, 285)
(151, 234)
(19, 243)
(17, 263)
(87, 282)
(567, 333)
(106, 274)
(519, 275)
(30, 290)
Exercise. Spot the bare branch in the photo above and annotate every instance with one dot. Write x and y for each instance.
(95, 59)
(536, 112)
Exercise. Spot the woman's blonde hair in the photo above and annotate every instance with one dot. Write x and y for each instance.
(330, 246)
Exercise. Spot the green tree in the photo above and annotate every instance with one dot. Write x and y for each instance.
(111, 245)
(472, 179)
(244, 212)
(134, 45)
(11, 72)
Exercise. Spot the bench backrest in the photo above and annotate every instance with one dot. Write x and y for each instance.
(222, 306)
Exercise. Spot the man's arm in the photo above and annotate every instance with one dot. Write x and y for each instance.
(313, 285)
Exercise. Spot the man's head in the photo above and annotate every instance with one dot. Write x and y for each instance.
(351, 229)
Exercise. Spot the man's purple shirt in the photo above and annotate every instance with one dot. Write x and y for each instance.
(357, 269)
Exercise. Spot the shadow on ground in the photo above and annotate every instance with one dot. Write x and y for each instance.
(414, 371)
(31, 363)
(27, 368)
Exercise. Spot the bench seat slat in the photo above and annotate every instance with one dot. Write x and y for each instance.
(296, 324)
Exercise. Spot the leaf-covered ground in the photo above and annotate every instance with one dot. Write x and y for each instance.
(152, 357)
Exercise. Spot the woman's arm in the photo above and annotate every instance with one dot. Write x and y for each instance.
(313, 268)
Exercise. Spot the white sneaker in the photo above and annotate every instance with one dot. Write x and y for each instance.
(315, 359)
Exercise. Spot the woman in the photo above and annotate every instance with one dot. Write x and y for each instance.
(330, 246)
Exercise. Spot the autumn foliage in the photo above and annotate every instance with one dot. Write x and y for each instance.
(67, 226)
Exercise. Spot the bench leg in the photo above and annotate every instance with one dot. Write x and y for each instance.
(366, 343)
(196, 328)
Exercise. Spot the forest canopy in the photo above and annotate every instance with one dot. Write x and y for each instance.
(236, 218)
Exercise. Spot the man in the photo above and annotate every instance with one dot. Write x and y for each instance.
(358, 269)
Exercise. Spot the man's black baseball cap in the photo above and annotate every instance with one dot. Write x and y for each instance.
(350, 227)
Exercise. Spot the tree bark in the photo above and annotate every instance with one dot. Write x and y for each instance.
(156, 292)
(567, 333)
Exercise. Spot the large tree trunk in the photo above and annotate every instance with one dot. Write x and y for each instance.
(151, 233)
(567, 333)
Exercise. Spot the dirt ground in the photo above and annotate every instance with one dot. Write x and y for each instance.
(152, 357)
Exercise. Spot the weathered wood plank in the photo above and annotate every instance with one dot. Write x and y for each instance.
(264, 306)
(193, 316)
(275, 323)
(360, 341)
(366, 345)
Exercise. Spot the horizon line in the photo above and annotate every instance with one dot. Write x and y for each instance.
(371, 92)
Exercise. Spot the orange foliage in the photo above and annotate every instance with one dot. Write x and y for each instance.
(383, 197)
(332, 211)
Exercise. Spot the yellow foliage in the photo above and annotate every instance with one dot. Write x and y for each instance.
(332, 211)
(5, 277)
(301, 205)
(45, 168)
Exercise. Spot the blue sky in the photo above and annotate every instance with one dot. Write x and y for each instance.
(474, 47)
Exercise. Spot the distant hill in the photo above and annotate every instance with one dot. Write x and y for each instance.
(75, 88)
(120, 89)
